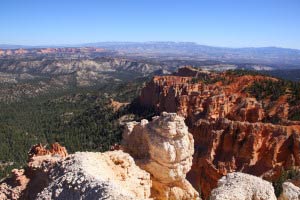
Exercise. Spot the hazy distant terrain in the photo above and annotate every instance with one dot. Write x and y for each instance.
(278, 57)
(34, 71)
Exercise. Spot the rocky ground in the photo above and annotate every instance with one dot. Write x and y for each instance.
(150, 170)
(87, 175)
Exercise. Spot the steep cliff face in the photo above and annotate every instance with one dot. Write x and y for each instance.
(195, 100)
(224, 146)
(164, 148)
(228, 124)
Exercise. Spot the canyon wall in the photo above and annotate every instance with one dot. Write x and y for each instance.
(229, 125)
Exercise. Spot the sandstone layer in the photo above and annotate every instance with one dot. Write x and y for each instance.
(231, 128)
(164, 148)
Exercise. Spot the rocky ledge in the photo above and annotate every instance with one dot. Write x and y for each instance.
(158, 159)
(151, 163)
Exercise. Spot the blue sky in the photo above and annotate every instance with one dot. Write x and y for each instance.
(230, 23)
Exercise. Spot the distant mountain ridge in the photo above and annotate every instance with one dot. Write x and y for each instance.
(148, 44)
(192, 51)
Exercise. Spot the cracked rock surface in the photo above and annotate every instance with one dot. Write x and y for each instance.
(164, 148)
(242, 186)
(87, 175)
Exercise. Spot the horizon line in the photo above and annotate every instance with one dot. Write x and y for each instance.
(85, 44)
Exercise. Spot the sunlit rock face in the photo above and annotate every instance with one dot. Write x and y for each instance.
(228, 125)
(87, 175)
(51, 174)
(159, 155)
(164, 148)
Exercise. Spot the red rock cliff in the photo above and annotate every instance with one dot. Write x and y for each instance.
(227, 125)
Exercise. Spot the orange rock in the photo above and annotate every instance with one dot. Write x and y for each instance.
(40, 150)
(227, 125)
(57, 149)
(26, 183)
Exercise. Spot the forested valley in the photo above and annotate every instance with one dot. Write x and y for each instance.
(81, 119)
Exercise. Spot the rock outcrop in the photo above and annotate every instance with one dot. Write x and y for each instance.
(289, 192)
(111, 175)
(195, 100)
(39, 150)
(239, 186)
(228, 124)
(291, 187)
(28, 182)
(164, 148)
(13, 187)
(161, 153)
(223, 146)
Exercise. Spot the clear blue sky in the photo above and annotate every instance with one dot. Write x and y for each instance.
(231, 23)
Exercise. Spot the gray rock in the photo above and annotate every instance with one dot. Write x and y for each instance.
(240, 186)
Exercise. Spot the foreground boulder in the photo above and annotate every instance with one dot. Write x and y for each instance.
(240, 186)
(111, 175)
(289, 192)
(164, 148)
(291, 189)
(85, 175)
(161, 153)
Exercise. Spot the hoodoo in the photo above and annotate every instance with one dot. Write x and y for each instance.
(164, 148)
(233, 129)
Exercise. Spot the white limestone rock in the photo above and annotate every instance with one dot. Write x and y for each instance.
(289, 192)
(85, 175)
(240, 186)
(164, 148)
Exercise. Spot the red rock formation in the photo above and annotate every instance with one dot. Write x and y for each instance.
(224, 146)
(227, 125)
(40, 150)
(26, 183)
(117, 105)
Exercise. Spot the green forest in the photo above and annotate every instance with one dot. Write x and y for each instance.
(80, 119)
